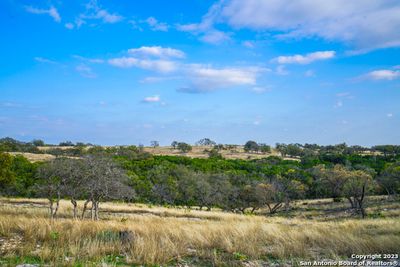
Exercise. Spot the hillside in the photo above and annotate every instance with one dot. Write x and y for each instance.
(237, 152)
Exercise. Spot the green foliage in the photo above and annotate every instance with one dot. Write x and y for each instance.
(11, 145)
(183, 147)
(239, 256)
(54, 235)
(251, 146)
(231, 184)
(7, 176)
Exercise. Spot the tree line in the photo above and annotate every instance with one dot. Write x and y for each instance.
(128, 173)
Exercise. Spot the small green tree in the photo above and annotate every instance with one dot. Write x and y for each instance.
(174, 144)
(154, 144)
(205, 142)
(356, 188)
(38, 142)
(390, 179)
(7, 176)
(184, 147)
(251, 146)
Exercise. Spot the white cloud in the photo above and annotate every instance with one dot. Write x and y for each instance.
(164, 66)
(259, 89)
(155, 25)
(305, 59)
(248, 44)
(98, 13)
(89, 60)
(85, 71)
(205, 29)
(94, 12)
(158, 79)
(365, 25)
(215, 37)
(44, 60)
(52, 12)
(206, 79)
(69, 26)
(389, 115)
(152, 99)
(281, 70)
(157, 51)
(383, 75)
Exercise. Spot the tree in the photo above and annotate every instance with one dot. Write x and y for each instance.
(105, 180)
(7, 176)
(294, 150)
(184, 148)
(266, 194)
(51, 184)
(66, 143)
(221, 188)
(25, 176)
(205, 142)
(38, 142)
(289, 187)
(331, 181)
(214, 154)
(390, 179)
(73, 173)
(264, 148)
(251, 146)
(154, 144)
(282, 148)
(202, 191)
(356, 188)
(174, 144)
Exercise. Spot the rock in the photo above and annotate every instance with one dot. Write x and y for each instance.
(27, 265)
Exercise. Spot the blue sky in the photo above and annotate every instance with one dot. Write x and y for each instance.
(128, 72)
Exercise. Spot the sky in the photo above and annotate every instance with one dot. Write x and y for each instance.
(129, 72)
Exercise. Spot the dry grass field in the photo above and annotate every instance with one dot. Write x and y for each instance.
(197, 152)
(32, 157)
(160, 236)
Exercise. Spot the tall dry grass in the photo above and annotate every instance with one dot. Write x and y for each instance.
(168, 238)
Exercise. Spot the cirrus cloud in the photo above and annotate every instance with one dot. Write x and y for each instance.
(52, 12)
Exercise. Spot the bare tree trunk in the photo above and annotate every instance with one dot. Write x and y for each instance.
(351, 202)
(51, 209)
(84, 208)
(92, 210)
(57, 206)
(361, 202)
(96, 210)
(287, 204)
(274, 208)
(75, 204)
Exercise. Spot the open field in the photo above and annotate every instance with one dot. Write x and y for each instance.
(313, 229)
(32, 157)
